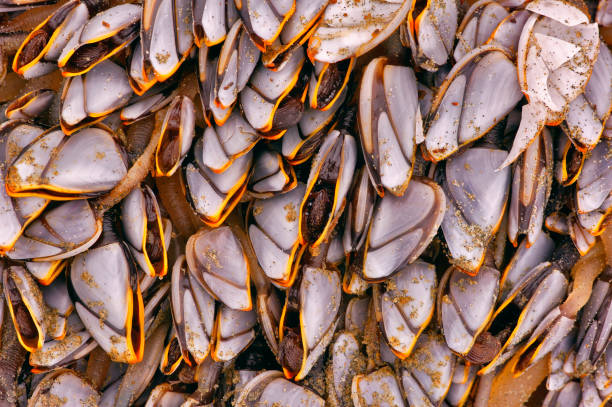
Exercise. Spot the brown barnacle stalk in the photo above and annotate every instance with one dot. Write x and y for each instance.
(371, 334)
(606, 240)
(606, 34)
(13, 86)
(143, 165)
(97, 367)
(12, 356)
(137, 172)
(584, 272)
(172, 193)
(207, 374)
(9, 43)
(26, 21)
(508, 390)
(137, 136)
(483, 391)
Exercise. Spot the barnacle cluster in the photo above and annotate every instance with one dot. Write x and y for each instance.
(305, 203)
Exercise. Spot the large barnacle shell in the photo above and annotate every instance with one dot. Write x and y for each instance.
(571, 160)
(144, 230)
(464, 378)
(544, 338)
(58, 307)
(350, 29)
(556, 54)
(153, 297)
(58, 233)
(603, 374)
(177, 132)
(431, 34)
(193, 314)
(207, 66)
(67, 385)
(264, 19)
(234, 332)
(218, 261)
(478, 24)
(588, 113)
(581, 228)
(272, 175)
(478, 92)
(76, 344)
(356, 227)
(275, 238)
(220, 145)
(136, 73)
(214, 195)
(19, 5)
(526, 257)
(604, 13)
(296, 32)
(379, 388)
(39, 52)
(142, 105)
(390, 124)
(166, 37)
(269, 309)
(595, 328)
(352, 282)
(477, 197)
(139, 376)
(107, 298)
(396, 241)
(532, 180)
(104, 35)
(533, 297)
(594, 186)
(166, 394)
(359, 212)
(237, 60)
(88, 98)
(346, 361)
(335, 254)
(172, 356)
(269, 388)
(16, 213)
(300, 142)
(328, 183)
(328, 82)
(311, 325)
(569, 395)
(465, 305)
(407, 306)
(508, 31)
(26, 306)
(273, 101)
(356, 313)
(427, 374)
(561, 359)
(212, 19)
(88, 163)
(592, 395)
(45, 271)
(30, 105)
